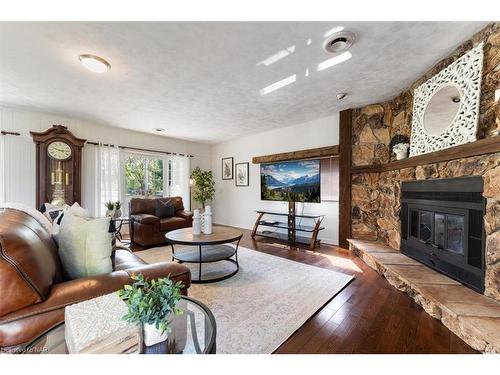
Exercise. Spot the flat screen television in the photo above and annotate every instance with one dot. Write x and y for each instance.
(291, 181)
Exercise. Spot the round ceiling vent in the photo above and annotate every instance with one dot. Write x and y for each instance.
(339, 42)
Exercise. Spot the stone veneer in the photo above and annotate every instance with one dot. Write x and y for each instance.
(471, 316)
(376, 196)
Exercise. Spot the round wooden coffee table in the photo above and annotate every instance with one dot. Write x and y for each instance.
(206, 248)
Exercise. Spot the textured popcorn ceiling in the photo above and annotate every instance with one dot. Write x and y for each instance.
(201, 81)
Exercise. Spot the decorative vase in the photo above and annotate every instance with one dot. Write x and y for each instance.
(110, 213)
(196, 222)
(207, 220)
(118, 213)
(401, 155)
(152, 335)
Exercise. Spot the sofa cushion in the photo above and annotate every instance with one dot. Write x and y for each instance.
(142, 206)
(164, 209)
(85, 246)
(171, 223)
(28, 261)
(124, 259)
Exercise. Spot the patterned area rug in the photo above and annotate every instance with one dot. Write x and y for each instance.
(264, 303)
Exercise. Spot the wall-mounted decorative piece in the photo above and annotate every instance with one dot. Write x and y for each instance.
(227, 168)
(446, 107)
(242, 174)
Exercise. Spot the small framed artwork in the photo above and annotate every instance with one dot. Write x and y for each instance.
(227, 168)
(242, 174)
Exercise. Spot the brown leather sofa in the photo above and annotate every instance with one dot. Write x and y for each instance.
(33, 292)
(147, 229)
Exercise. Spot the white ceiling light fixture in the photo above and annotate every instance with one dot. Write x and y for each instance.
(334, 61)
(339, 42)
(332, 31)
(94, 63)
(278, 85)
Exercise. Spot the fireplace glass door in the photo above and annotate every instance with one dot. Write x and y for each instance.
(443, 231)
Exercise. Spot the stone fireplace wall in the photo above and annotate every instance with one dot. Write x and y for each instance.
(376, 196)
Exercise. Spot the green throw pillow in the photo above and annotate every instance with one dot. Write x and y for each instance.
(85, 246)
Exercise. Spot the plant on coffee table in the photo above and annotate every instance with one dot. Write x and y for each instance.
(151, 303)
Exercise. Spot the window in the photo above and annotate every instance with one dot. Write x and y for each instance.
(151, 176)
(143, 177)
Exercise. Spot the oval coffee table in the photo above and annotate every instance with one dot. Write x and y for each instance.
(206, 248)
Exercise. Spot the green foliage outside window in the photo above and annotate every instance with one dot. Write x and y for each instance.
(144, 176)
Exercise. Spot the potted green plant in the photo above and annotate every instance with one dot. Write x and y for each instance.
(152, 304)
(203, 186)
(118, 211)
(110, 206)
(113, 209)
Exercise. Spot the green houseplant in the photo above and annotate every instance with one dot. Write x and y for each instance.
(203, 186)
(151, 304)
(113, 209)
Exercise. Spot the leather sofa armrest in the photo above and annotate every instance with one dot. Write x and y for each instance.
(144, 218)
(78, 290)
(174, 271)
(188, 216)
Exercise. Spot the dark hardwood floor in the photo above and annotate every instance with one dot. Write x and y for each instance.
(367, 316)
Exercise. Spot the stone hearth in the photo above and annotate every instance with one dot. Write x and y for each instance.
(470, 315)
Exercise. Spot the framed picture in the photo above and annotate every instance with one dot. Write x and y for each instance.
(227, 168)
(241, 174)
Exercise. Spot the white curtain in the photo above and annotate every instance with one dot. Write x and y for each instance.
(101, 177)
(108, 176)
(17, 169)
(90, 190)
(179, 177)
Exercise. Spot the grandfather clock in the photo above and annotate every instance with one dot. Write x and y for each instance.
(59, 164)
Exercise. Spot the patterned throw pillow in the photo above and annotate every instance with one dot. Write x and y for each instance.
(51, 211)
(164, 209)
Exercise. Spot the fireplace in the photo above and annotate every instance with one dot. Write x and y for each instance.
(442, 227)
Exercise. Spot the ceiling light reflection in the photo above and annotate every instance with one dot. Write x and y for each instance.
(277, 56)
(334, 61)
(278, 85)
(332, 31)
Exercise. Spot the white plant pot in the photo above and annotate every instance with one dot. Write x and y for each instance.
(152, 335)
(401, 155)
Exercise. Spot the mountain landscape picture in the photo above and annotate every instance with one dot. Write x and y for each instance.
(294, 181)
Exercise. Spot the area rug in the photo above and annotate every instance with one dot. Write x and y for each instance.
(270, 297)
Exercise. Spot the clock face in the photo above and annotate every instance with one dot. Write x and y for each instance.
(59, 150)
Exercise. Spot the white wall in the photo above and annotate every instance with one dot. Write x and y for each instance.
(236, 205)
(17, 170)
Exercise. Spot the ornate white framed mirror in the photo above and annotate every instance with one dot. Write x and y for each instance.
(446, 107)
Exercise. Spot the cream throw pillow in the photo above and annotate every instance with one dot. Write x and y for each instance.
(85, 246)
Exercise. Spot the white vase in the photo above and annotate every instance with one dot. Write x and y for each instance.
(152, 335)
(196, 222)
(401, 155)
(207, 220)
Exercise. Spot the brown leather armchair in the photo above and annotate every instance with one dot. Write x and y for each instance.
(32, 288)
(149, 230)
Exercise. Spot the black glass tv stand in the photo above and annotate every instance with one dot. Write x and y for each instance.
(292, 227)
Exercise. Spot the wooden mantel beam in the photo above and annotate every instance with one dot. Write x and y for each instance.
(321, 152)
